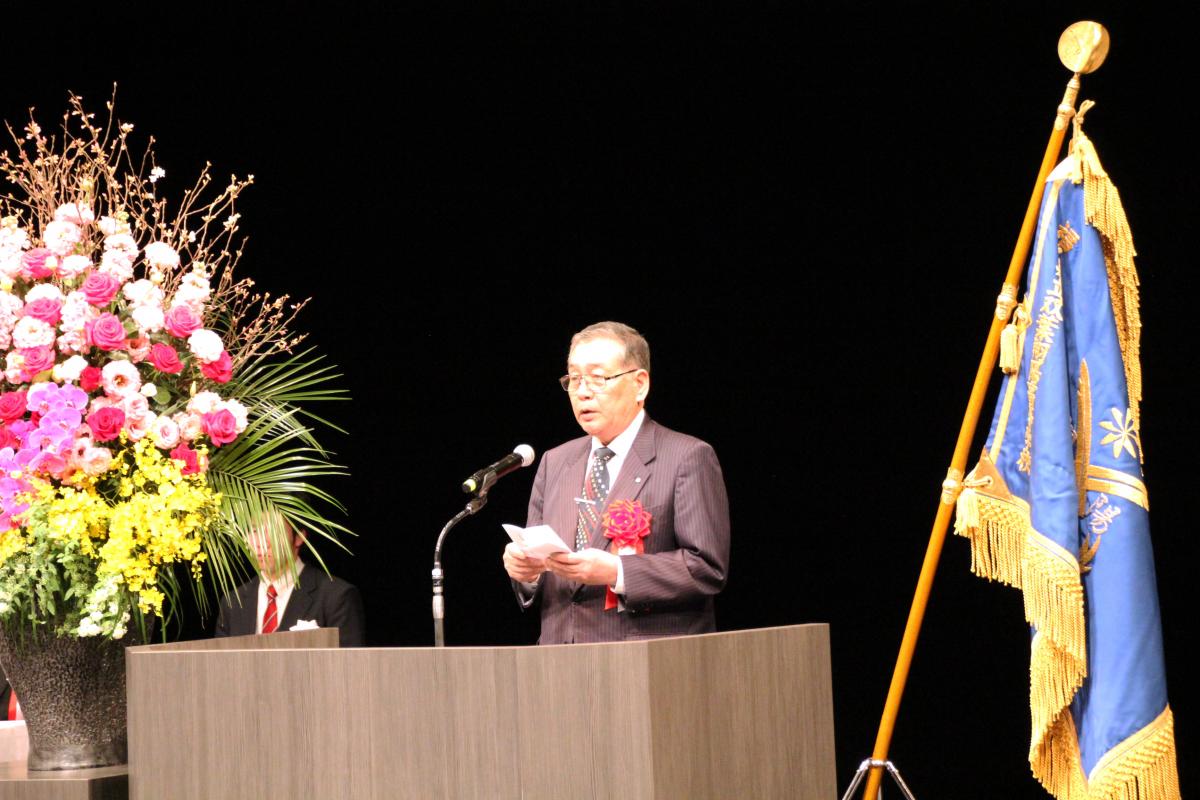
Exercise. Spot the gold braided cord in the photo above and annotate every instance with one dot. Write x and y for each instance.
(1083, 435)
(1102, 204)
(1140, 768)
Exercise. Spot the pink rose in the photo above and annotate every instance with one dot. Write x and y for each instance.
(37, 360)
(96, 460)
(33, 263)
(106, 332)
(182, 322)
(106, 423)
(189, 457)
(12, 406)
(139, 349)
(47, 309)
(220, 370)
(90, 378)
(100, 288)
(165, 433)
(165, 359)
(221, 427)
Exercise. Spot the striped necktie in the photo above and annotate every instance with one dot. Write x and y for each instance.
(270, 616)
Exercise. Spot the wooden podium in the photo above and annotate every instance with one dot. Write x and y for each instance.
(746, 714)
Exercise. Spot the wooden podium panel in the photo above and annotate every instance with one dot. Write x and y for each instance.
(743, 714)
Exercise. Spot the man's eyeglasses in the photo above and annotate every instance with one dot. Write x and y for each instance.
(596, 383)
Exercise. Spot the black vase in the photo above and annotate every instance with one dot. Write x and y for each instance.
(72, 693)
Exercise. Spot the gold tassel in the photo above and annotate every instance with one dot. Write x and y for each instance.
(1012, 341)
(966, 512)
(1010, 353)
(994, 522)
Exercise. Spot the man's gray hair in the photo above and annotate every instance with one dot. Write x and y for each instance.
(637, 351)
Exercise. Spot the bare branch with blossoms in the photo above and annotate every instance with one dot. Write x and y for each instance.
(93, 166)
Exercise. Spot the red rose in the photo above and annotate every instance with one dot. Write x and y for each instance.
(12, 406)
(106, 423)
(100, 288)
(220, 370)
(182, 322)
(8, 438)
(37, 360)
(47, 309)
(106, 332)
(189, 457)
(90, 378)
(221, 426)
(165, 359)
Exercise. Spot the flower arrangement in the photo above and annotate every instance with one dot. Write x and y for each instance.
(148, 396)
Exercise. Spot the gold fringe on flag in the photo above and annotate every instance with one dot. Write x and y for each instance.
(1140, 768)
(995, 522)
(1102, 204)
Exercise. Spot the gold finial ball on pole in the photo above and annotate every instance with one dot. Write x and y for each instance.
(1083, 47)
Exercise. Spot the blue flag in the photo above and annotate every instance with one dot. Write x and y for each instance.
(1057, 506)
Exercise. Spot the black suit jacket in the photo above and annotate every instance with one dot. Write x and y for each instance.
(669, 589)
(330, 601)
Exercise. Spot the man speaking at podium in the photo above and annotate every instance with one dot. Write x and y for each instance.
(645, 507)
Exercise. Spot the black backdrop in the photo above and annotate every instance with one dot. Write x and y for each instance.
(808, 212)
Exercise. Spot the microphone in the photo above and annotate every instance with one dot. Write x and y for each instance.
(521, 456)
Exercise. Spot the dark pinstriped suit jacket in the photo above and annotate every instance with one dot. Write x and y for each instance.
(669, 589)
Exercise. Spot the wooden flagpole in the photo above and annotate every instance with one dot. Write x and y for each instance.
(1081, 48)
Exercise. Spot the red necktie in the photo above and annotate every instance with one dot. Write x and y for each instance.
(270, 616)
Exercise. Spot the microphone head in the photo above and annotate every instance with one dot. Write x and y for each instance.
(526, 453)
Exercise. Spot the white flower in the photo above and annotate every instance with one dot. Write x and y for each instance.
(203, 402)
(156, 173)
(110, 226)
(206, 345)
(121, 379)
(148, 318)
(14, 366)
(161, 254)
(61, 236)
(70, 370)
(149, 390)
(32, 332)
(192, 291)
(118, 264)
(73, 266)
(76, 213)
(43, 291)
(143, 293)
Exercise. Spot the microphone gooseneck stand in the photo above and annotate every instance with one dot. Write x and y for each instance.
(439, 602)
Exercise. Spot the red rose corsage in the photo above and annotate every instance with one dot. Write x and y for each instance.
(626, 523)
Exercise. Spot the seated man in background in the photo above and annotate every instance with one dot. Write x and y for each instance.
(281, 600)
